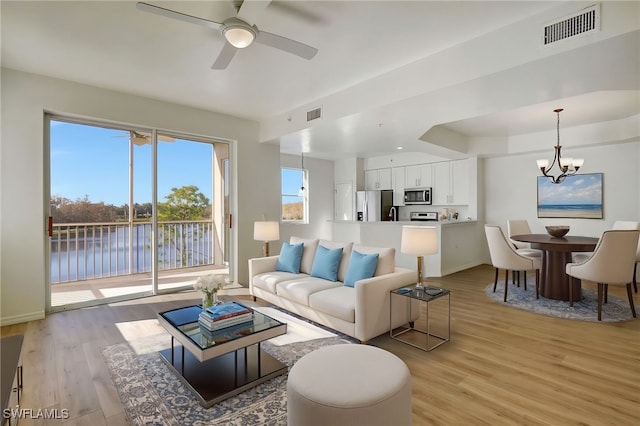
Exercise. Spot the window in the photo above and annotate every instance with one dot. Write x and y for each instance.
(294, 202)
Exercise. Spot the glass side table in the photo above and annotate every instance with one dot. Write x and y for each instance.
(429, 301)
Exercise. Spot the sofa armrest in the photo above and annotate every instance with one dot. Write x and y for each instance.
(260, 265)
(373, 301)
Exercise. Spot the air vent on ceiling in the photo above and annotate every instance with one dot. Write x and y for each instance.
(314, 114)
(578, 23)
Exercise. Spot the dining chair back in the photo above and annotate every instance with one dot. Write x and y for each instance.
(611, 263)
(518, 227)
(504, 256)
(630, 224)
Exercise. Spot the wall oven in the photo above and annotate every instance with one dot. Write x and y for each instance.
(414, 196)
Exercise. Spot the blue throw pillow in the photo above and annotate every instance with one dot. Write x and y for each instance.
(326, 263)
(361, 266)
(290, 258)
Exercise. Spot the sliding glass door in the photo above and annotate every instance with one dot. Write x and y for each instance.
(133, 212)
(192, 207)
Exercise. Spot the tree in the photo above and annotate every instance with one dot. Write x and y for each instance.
(186, 203)
(82, 210)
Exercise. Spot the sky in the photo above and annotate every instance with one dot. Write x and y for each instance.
(577, 189)
(94, 161)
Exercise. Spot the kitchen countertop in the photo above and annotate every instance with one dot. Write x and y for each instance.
(407, 222)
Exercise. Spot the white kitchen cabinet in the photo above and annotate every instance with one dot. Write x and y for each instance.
(418, 176)
(441, 188)
(398, 177)
(378, 179)
(450, 183)
(459, 182)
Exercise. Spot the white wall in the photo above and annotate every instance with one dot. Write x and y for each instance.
(23, 208)
(510, 190)
(320, 191)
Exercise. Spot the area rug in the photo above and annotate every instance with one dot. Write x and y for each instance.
(615, 310)
(298, 330)
(152, 394)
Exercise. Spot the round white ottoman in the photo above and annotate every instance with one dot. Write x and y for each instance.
(349, 385)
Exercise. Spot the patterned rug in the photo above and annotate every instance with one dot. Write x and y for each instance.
(152, 394)
(615, 310)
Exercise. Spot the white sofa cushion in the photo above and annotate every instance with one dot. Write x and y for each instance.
(339, 302)
(308, 252)
(299, 289)
(386, 258)
(346, 255)
(268, 280)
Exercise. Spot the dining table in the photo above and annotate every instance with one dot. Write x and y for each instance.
(556, 253)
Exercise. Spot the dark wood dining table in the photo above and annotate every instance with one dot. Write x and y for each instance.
(556, 253)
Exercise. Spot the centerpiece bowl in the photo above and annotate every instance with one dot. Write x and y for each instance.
(557, 231)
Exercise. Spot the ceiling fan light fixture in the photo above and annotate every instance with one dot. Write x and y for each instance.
(240, 36)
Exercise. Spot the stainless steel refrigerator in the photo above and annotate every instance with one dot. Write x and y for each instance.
(374, 206)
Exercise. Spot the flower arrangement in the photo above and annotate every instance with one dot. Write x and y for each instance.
(209, 286)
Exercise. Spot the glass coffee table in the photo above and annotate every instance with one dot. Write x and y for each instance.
(220, 364)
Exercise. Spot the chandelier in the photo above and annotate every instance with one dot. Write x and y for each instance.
(568, 166)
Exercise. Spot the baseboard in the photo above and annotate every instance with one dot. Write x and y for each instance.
(460, 268)
(17, 319)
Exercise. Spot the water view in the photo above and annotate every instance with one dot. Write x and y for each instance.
(88, 251)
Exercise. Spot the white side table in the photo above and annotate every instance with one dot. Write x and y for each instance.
(430, 301)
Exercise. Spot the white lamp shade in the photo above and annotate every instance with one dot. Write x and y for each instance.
(419, 240)
(266, 231)
(543, 164)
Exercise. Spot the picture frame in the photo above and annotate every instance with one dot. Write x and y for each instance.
(579, 196)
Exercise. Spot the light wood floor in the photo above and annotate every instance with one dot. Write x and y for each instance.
(503, 366)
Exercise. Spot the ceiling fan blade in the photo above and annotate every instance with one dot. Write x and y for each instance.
(252, 9)
(146, 7)
(286, 44)
(225, 56)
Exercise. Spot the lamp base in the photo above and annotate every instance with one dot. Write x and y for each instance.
(419, 285)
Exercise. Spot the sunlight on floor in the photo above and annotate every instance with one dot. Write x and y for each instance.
(68, 297)
(122, 291)
(144, 336)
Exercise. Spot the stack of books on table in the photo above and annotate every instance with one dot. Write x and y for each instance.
(224, 315)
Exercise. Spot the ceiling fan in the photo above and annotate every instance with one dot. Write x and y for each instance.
(143, 138)
(239, 31)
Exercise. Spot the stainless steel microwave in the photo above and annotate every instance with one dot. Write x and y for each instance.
(417, 196)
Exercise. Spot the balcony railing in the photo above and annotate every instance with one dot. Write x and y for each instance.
(83, 251)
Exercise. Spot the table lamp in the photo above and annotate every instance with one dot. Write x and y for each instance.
(266, 231)
(419, 240)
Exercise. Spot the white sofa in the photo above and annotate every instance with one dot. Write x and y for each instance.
(361, 311)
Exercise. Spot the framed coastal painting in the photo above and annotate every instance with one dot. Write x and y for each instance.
(577, 197)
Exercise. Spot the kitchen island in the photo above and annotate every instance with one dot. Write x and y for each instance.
(460, 242)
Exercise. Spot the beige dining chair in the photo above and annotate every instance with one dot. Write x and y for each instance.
(629, 224)
(610, 263)
(618, 225)
(521, 227)
(504, 256)
(518, 227)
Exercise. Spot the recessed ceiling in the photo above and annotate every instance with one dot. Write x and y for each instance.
(593, 107)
